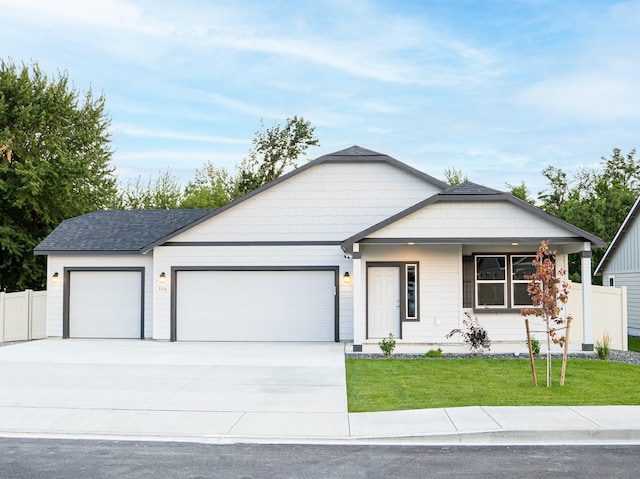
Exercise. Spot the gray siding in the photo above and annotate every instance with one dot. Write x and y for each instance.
(632, 281)
(626, 256)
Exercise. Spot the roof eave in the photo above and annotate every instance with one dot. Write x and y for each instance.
(85, 252)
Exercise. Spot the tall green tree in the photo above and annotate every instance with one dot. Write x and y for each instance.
(163, 193)
(521, 191)
(596, 199)
(211, 188)
(54, 164)
(275, 150)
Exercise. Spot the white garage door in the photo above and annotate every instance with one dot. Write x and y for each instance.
(255, 306)
(105, 304)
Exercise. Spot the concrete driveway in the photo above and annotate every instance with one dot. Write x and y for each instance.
(147, 388)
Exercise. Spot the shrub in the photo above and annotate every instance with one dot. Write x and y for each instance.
(387, 345)
(603, 347)
(474, 335)
(535, 346)
(433, 353)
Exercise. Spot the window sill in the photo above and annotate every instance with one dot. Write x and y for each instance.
(497, 310)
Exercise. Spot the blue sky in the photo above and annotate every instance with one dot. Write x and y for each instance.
(498, 89)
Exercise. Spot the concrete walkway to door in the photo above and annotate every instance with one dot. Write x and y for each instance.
(148, 388)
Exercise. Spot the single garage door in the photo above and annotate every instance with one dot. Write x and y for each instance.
(105, 304)
(255, 305)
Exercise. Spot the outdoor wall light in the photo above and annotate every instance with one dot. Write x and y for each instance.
(347, 278)
(162, 278)
(55, 277)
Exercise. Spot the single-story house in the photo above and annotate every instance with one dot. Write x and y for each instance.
(620, 266)
(349, 247)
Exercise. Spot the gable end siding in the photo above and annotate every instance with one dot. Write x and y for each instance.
(626, 256)
(328, 202)
(490, 219)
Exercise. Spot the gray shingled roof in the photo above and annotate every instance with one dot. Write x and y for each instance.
(470, 188)
(126, 231)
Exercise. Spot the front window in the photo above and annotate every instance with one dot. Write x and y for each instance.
(491, 284)
(501, 280)
(521, 268)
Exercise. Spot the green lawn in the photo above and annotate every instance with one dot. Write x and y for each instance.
(393, 384)
(634, 343)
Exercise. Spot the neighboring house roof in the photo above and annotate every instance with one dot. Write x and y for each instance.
(469, 191)
(353, 154)
(619, 237)
(123, 231)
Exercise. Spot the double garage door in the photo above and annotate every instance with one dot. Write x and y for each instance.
(291, 305)
(285, 305)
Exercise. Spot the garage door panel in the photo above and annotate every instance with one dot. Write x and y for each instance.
(105, 304)
(255, 305)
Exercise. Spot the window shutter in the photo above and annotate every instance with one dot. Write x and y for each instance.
(467, 281)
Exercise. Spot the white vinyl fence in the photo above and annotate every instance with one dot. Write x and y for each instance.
(609, 314)
(23, 315)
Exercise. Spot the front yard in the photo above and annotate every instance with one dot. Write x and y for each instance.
(394, 384)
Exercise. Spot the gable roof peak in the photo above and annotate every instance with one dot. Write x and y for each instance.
(470, 188)
(355, 150)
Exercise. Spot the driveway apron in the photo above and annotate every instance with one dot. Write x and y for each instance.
(147, 388)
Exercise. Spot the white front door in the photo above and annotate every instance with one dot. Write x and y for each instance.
(383, 290)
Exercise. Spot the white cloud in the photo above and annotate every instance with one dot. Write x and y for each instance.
(135, 131)
(112, 14)
(587, 96)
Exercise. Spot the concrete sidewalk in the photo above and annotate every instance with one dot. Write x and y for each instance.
(250, 392)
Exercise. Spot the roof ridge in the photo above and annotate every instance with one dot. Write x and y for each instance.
(470, 188)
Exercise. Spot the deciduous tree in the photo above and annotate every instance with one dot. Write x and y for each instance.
(549, 293)
(211, 188)
(163, 193)
(453, 176)
(54, 164)
(275, 150)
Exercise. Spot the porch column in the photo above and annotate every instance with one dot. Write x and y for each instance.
(587, 303)
(359, 319)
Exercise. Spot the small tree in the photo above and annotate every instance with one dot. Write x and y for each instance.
(548, 293)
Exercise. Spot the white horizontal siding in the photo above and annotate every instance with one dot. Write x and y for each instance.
(439, 286)
(328, 202)
(248, 256)
(57, 263)
(488, 219)
(440, 295)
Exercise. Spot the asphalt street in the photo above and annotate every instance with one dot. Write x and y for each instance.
(64, 459)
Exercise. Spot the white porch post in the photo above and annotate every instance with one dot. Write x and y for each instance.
(359, 319)
(587, 304)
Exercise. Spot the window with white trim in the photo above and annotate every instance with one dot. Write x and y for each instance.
(491, 281)
(500, 280)
(521, 268)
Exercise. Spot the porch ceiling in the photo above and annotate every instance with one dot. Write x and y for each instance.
(563, 245)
